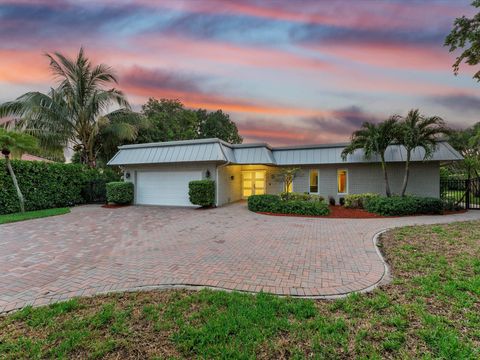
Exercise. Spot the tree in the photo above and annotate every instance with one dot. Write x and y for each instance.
(70, 114)
(169, 119)
(288, 174)
(217, 125)
(465, 35)
(467, 143)
(374, 139)
(14, 143)
(418, 131)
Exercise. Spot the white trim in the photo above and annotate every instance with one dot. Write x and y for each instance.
(348, 181)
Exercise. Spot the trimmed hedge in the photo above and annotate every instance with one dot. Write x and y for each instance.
(358, 201)
(408, 205)
(274, 204)
(202, 192)
(47, 185)
(120, 192)
(300, 196)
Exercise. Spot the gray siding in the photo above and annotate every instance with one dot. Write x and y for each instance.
(424, 179)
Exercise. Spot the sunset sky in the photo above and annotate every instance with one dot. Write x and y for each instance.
(287, 72)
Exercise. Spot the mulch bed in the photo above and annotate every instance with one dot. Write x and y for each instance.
(113, 206)
(339, 212)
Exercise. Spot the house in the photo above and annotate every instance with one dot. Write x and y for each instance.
(161, 171)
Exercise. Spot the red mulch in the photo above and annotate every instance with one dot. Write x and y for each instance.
(113, 206)
(339, 212)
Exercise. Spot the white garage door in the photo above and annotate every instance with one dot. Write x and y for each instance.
(165, 187)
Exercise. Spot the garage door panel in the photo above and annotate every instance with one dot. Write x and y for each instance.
(164, 187)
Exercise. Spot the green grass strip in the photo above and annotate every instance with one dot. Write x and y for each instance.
(8, 218)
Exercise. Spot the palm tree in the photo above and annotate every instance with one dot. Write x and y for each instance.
(374, 139)
(69, 114)
(16, 143)
(418, 131)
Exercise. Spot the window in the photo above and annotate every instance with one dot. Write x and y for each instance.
(314, 181)
(342, 179)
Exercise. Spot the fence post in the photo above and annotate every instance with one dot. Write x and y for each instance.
(467, 194)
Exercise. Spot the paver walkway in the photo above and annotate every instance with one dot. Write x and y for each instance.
(95, 250)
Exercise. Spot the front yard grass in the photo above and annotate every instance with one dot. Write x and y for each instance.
(430, 310)
(8, 218)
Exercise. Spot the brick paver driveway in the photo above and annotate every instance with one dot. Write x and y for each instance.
(95, 250)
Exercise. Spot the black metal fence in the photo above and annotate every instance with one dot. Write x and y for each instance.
(461, 193)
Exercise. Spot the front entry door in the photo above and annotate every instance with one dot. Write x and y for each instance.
(253, 183)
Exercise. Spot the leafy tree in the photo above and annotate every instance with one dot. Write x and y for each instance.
(71, 113)
(465, 35)
(15, 143)
(169, 119)
(415, 131)
(374, 139)
(467, 143)
(288, 174)
(217, 125)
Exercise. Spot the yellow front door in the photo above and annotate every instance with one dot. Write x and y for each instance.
(253, 183)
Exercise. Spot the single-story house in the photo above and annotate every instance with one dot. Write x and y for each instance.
(161, 171)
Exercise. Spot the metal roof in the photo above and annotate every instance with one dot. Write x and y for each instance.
(220, 151)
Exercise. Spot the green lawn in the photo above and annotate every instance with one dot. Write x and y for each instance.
(458, 194)
(8, 218)
(430, 310)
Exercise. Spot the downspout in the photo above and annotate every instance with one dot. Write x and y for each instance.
(228, 162)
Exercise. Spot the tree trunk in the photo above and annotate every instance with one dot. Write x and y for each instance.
(15, 183)
(385, 177)
(407, 173)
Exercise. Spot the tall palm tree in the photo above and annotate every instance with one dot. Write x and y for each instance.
(70, 113)
(374, 139)
(418, 131)
(16, 143)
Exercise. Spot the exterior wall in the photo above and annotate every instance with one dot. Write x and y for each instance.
(424, 179)
(228, 189)
(203, 167)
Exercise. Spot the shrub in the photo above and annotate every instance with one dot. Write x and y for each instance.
(274, 204)
(120, 192)
(263, 203)
(408, 205)
(358, 201)
(341, 201)
(300, 196)
(45, 185)
(331, 200)
(202, 192)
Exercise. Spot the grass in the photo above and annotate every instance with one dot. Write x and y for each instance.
(8, 218)
(459, 194)
(431, 310)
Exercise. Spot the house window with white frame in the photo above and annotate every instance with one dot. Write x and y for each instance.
(342, 181)
(313, 181)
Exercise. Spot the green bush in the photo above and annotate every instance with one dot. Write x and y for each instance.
(120, 192)
(46, 185)
(300, 196)
(262, 203)
(408, 205)
(202, 192)
(274, 204)
(358, 201)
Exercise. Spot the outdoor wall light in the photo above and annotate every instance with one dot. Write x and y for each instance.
(207, 174)
(127, 175)
(232, 177)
